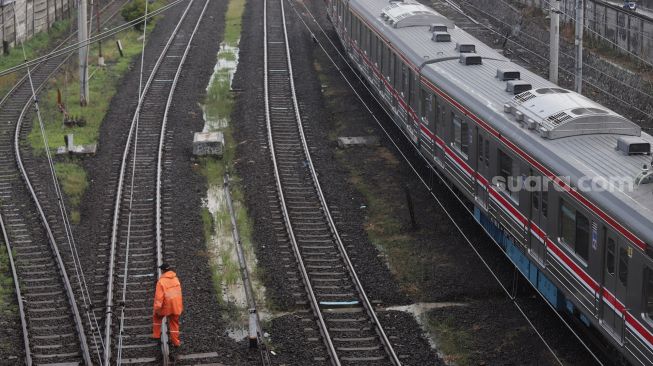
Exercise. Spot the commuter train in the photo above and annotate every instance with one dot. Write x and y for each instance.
(560, 182)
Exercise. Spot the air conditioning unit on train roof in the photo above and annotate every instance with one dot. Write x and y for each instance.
(516, 87)
(441, 37)
(467, 59)
(437, 28)
(465, 47)
(505, 74)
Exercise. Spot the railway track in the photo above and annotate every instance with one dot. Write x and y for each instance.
(53, 325)
(347, 321)
(136, 240)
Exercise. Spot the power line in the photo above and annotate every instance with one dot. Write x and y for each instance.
(563, 53)
(369, 110)
(623, 102)
(603, 37)
(98, 37)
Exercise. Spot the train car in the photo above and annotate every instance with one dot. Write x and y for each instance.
(560, 182)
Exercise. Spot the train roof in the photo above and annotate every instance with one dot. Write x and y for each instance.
(567, 132)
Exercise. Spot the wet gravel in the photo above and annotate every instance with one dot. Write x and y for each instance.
(292, 336)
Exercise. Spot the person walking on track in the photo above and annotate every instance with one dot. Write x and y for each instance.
(168, 303)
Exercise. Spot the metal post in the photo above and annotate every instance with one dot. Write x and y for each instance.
(580, 9)
(100, 60)
(554, 40)
(82, 32)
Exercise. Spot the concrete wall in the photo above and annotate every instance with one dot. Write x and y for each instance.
(631, 32)
(21, 19)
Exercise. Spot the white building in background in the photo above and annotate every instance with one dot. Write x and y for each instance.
(21, 19)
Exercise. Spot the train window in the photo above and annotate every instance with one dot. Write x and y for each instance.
(405, 80)
(574, 229)
(486, 148)
(582, 235)
(508, 170)
(535, 196)
(425, 106)
(372, 47)
(623, 266)
(545, 198)
(461, 138)
(414, 87)
(649, 293)
(480, 149)
(379, 52)
(610, 255)
(398, 66)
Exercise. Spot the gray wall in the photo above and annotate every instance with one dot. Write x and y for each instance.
(21, 19)
(632, 32)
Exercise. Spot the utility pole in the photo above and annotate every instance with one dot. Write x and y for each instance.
(100, 60)
(580, 7)
(82, 32)
(554, 40)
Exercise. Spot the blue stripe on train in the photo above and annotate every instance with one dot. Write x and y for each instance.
(550, 292)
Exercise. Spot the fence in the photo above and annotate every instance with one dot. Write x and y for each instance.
(631, 31)
(21, 19)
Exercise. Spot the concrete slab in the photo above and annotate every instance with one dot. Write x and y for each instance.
(358, 141)
(208, 143)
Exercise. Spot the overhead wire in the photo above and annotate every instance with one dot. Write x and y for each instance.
(623, 102)
(98, 37)
(79, 273)
(423, 181)
(141, 94)
(585, 63)
(602, 36)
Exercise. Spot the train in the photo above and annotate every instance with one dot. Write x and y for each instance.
(561, 183)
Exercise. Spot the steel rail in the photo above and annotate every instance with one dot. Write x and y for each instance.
(325, 210)
(343, 252)
(119, 194)
(327, 213)
(305, 279)
(159, 169)
(19, 296)
(53, 244)
(432, 168)
(38, 62)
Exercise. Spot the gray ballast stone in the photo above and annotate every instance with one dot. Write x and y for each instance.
(208, 143)
(345, 142)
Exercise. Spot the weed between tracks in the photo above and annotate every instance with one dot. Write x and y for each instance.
(217, 107)
(103, 85)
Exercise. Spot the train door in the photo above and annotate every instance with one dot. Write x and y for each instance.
(615, 281)
(539, 216)
(482, 167)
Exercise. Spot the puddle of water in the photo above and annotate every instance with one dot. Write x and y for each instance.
(221, 246)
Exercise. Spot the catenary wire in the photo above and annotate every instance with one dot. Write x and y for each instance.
(623, 102)
(573, 19)
(141, 93)
(562, 53)
(76, 265)
(98, 37)
(437, 199)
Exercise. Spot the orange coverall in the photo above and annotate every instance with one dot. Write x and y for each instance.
(167, 303)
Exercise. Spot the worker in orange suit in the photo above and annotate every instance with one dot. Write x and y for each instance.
(167, 303)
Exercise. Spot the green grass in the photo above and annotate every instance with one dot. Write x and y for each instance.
(72, 178)
(34, 47)
(102, 87)
(454, 343)
(233, 22)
